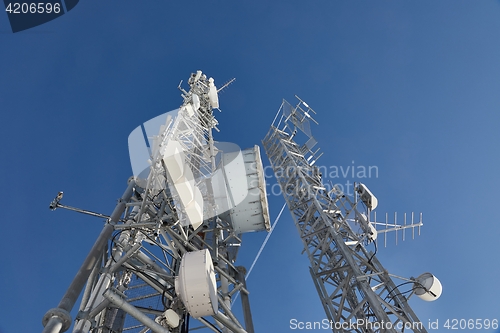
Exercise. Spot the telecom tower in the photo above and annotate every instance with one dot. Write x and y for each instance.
(357, 293)
(167, 252)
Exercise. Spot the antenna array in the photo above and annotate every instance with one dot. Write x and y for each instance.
(356, 291)
(175, 233)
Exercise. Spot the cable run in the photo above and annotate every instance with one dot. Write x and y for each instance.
(261, 249)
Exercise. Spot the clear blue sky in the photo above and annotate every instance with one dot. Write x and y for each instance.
(412, 87)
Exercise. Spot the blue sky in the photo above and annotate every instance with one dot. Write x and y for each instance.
(410, 87)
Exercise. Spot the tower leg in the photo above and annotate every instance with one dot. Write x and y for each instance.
(56, 320)
(245, 302)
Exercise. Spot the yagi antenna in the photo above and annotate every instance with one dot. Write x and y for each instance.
(226, 85)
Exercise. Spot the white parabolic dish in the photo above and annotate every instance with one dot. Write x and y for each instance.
(243, 191)
(196, 284)
(428, 287)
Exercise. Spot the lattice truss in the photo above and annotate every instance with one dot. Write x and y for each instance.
(133, 285)
(352, 284)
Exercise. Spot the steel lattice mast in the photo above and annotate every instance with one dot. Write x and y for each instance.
(355, 290)
(176, 233)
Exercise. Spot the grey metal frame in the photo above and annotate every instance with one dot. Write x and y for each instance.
(149, 240)
(357, 293)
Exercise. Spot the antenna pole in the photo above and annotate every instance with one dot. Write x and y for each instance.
(58, 319)
(174, 234)
(356, 291)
